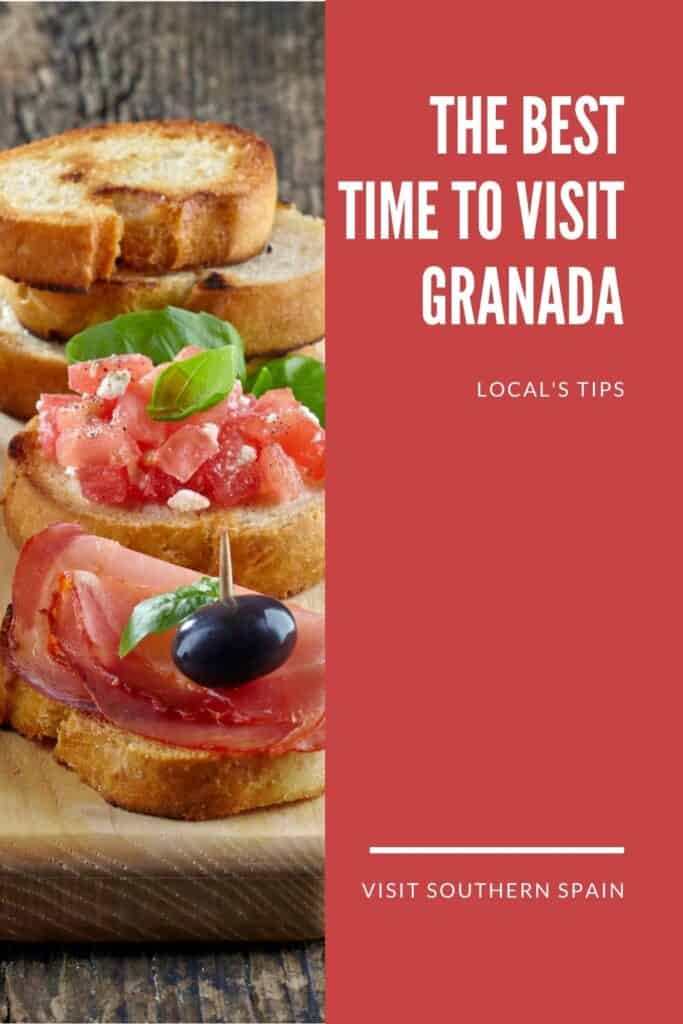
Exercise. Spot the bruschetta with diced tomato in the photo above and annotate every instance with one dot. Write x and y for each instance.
(126, 455)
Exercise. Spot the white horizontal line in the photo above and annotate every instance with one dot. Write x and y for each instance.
(615, 850)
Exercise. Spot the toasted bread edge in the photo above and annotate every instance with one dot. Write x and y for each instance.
(150, 777)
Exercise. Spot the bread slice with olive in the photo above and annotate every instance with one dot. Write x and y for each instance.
(151, 777)
(154, 195)
(276, 549)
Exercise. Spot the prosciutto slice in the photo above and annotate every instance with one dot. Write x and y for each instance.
(73, 594)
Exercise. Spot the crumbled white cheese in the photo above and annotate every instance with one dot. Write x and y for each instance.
(309, 414)
(188, 501)
(246, 455)
(114, 384)
(211, 429)
(271, 417)
(70, 471)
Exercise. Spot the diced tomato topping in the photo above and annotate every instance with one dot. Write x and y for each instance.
(48, 407)
(96, 444)
(58, 413)
(186, 450)
(311, 457)
(145, 385)
(131, 414)
(80, 412)
(155, 485)
(216, 414)
(87, 377)
(188, 352)
(242, 450)
(267, 417)
(108, 485)
(280, 478)
(232, 476)
(228, 413)
(277, 416)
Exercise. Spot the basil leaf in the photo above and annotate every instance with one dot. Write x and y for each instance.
(194, 384)
(260, 381)
(157, 333)
(163, 612)
(305, 376)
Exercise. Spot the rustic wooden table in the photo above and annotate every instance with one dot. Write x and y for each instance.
(262, 66)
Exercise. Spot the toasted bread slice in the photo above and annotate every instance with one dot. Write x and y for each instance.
(31, 366)
(276, 549)
(153, 778)
(275, 300)
(156, 195)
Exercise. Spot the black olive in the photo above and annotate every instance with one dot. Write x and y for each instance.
(229, 642)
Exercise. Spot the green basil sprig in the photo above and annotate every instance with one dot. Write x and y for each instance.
(194, 384)
(157, 333)
(163, 612)
(305, 376)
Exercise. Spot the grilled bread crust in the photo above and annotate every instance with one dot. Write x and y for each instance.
(156, 195)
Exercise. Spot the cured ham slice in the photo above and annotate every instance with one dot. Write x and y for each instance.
(314, 741)
(30, 645)
(74, 593)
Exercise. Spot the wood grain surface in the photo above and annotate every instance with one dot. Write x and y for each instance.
(213, 983)
(260, 65)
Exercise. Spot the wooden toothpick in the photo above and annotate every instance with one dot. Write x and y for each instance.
(225, 569)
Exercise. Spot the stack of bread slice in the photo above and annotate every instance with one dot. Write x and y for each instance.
(102, 221)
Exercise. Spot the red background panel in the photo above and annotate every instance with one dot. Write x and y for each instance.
(504, 595)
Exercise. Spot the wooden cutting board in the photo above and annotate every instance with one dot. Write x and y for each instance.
(73, 868)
